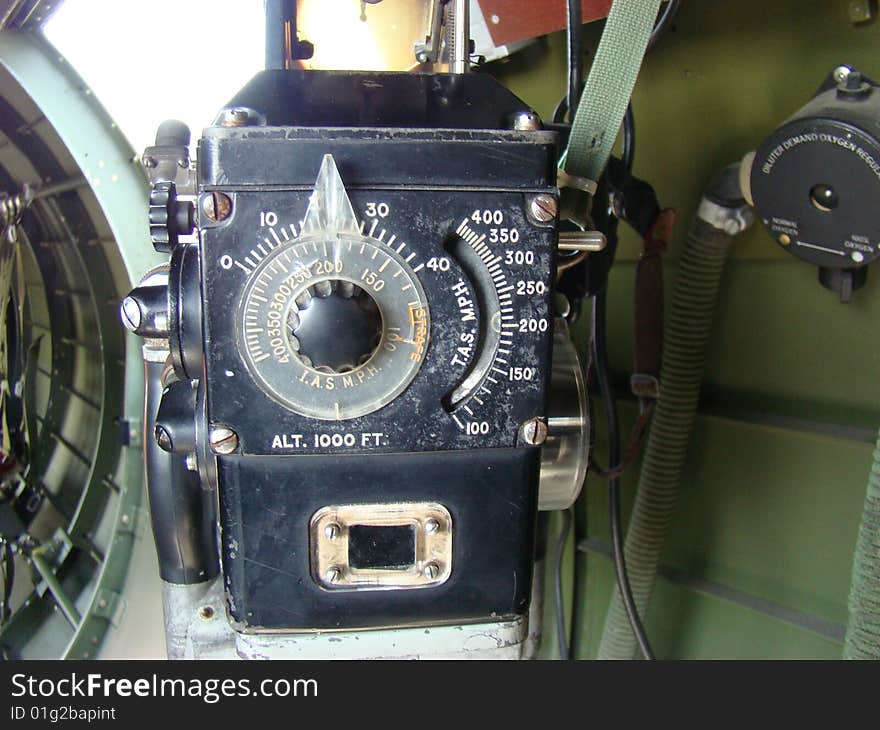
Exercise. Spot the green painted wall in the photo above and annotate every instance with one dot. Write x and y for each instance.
(760, 551)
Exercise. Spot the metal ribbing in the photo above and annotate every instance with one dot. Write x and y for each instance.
(687, 331)
(863, 630)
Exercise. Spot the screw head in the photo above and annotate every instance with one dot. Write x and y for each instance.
(206, 612)
(526, 121)
(163, 438)
(217, 206)
(543, 208)
(223, 440)
(240, 116)
(533, 432)
(131, 314)
(431, 571)
(840, 73)
(331, 531)
(332, 575)
(431, 526)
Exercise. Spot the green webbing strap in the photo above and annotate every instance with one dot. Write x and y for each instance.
(609, 87)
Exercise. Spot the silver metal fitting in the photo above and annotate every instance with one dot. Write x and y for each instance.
(589, 241)
(841, 73)
(131, 314)
(240, 116)
(223, 440)
(728, 220)
(533, 432)
(216, 206)
(333, 575)
(526, 121)
(543, 208)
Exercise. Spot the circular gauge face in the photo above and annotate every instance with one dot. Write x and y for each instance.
(333, 326)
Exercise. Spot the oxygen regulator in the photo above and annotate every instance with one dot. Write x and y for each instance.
(815, 181)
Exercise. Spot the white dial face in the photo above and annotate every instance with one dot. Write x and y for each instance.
(333, 324)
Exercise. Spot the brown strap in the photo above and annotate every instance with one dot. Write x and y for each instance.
(633, 447)
(648, 320)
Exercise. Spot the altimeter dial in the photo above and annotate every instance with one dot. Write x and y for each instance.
(333, 324)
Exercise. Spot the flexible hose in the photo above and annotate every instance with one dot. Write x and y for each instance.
(863, 630)
(687, 332)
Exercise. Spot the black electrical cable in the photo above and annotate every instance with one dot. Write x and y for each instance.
(574, 26)
(628, 144)
(561, 633)
(600, 357)
(664, 22)
(7, 560)
(600, 363)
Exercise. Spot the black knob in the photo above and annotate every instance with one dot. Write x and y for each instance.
(145, 311)
(170, 218)
(175, 429)
(335, 326)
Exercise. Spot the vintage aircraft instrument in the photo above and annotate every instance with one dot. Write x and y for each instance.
(815, 180)
(362, 336)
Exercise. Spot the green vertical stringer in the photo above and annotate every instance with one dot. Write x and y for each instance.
(686, 335)
(863, 629)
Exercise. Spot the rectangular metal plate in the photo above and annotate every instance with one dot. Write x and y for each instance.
(411, 546)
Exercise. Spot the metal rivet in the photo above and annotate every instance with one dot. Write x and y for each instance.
(533, 432)
(543, 208)
(206, 612)
(223, 440)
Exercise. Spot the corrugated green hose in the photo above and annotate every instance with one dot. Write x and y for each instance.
(863, 630)
(687, 331)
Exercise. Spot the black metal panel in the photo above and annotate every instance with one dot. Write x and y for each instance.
(267, 503)
(416, 420)
(234, 159)
(373, 99)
